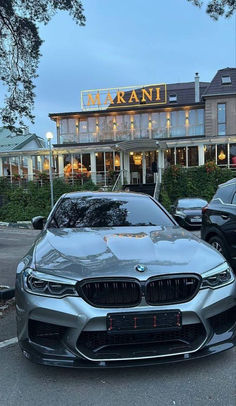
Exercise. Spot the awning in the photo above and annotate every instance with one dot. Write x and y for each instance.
(138, 145)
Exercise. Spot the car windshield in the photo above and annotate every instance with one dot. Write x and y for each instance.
(191, 203)
(90, 211)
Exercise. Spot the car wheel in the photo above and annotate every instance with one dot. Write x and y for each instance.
(219, 245)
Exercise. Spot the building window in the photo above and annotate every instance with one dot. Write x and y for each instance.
(233, 155)
(99, 162)
(83, 131)
(77, 166)
(67, 165)
(172, 98)
(144, 125)
(192, 156)
(209, 153)
(86, 165)
(158, 121)
(105, 124)
(136, 126)
(141, 126)
(169, 157)
(116, 161)
(123, 127)
(196, 122)
(225, 80)
(92, 130)
(222, 155)
(177, 120)
(109, 161)
(83, 126)
(181, 156)
(221, 119)
(68, 130)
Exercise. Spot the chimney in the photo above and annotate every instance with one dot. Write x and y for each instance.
(197, 89)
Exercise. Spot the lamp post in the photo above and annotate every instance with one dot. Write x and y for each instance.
(49, 136)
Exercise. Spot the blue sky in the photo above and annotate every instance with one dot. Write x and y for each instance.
(127, 42)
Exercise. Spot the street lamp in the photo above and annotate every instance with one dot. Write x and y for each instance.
(49, 136)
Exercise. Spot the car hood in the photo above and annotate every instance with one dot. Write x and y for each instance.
(88, 253)
(191, 212)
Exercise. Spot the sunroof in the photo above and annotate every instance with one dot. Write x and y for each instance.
(225, 80)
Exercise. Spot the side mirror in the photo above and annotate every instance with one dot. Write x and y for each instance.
(38, 222)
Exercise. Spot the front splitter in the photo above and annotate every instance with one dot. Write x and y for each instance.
(217, 344)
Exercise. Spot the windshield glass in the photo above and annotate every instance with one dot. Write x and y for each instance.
(90, 211)
(191, 203)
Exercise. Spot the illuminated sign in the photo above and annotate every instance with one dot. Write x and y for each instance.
(132, 96)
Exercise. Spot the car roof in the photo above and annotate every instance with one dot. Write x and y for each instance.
(105, 194)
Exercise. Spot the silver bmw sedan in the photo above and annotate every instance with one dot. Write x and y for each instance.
(112, 281)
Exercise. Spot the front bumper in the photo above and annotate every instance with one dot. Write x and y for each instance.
(212, 310)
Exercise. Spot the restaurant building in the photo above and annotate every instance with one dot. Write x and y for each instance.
(132, 131)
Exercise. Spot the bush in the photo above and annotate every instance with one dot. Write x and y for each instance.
(202, 182)
(23, 203)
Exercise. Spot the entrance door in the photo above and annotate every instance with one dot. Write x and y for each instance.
(151, 165)
(136, 170)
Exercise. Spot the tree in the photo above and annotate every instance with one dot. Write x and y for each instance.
(20, 52)
(218, 8)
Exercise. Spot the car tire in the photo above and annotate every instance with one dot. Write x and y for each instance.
(219, 245)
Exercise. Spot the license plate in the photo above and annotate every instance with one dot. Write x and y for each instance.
(196, 220)
(144, 321)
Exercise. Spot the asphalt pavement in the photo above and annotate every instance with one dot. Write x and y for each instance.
(209, 381)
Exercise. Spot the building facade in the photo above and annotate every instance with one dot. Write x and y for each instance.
(16, 151)
(133, 131)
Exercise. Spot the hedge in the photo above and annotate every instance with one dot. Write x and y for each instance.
(202, 182)
(20, 203)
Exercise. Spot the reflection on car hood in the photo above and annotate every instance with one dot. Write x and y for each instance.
(88, 253)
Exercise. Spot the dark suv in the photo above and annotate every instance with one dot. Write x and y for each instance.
(219, 221)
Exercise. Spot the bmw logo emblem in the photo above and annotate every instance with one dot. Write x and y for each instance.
(140, 268)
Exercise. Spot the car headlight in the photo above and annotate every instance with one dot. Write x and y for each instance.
(42, 284)
(216, 278)
(180, 213)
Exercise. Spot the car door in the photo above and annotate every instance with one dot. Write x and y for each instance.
(222, 215)
(230, 226)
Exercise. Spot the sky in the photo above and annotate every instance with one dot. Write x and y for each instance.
(127, 42)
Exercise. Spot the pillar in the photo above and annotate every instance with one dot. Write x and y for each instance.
(201, 157)
(161, 162)
(30, 167)
(93, 167)
(19, 168)
(1, 167)
(61, 166)
(126, 167)
(58, 132)
(122, 167)
(144, 167)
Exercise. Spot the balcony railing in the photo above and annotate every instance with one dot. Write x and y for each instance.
(136, 133)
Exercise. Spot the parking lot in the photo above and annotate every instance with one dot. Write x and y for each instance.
(209, 381)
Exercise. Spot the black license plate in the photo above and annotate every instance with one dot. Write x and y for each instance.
(144, 321)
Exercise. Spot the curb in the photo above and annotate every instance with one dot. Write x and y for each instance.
(6, 294)
(18, 224)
